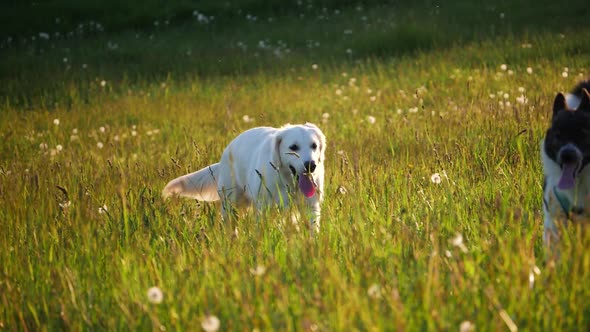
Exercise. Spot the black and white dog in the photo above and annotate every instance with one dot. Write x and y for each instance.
(565, 152)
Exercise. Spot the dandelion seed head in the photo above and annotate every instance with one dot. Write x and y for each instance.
(374, 291)
(529, 70)
(102, 129)
(258, 271)
(435, 178)
(56, 122)
(466, 326)
(210, 323)
(504, 67)
(59, 147)
(155, 295)
(103, 83)
(564, 74)
(314, 66)
(99, 145)
(371, 119)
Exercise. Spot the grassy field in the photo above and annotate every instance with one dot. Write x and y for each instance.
(98, 113)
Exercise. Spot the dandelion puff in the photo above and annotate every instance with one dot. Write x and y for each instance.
(43, 146)
(247, 119)
(103, 83)
(374, 291)
(58, 148)
(436, 178)
(102, 129)
(529, 70)
(133, 133)
(531, 279)
(314, 66)
(102, 209)
(564, 74)
(99, 145)
(504, 67)
(466, 326)
(210, 323)
(258, 271)
(155, 295)
(342, 190)
(371, 119)
(56, 122)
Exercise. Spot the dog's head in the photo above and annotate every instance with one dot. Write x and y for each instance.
(567, 141)
(301, 149)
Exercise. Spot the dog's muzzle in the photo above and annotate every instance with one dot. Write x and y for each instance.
(569, 154)
(309, 167)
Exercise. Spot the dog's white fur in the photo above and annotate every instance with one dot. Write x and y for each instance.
(552, 207)
(254, 169)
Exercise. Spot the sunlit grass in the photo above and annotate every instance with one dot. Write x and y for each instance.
(432, 218)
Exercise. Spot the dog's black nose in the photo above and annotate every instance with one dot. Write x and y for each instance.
(568, 156)
(309, 166)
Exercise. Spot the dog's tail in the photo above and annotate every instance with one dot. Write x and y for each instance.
(201, 185)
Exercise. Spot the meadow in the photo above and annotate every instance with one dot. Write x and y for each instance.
(432, 217)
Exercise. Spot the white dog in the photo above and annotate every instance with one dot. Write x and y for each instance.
(565, 152)
(262, 167)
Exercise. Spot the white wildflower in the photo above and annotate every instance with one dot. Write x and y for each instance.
(374, 291)
(258, 271)
(210, 323)
(435, 178)
(155, 295)
(56, 122)
(371, 119)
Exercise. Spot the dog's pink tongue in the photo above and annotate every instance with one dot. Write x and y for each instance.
(306, 185)
(566, 181)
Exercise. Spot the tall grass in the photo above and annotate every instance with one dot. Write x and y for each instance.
(421, 94)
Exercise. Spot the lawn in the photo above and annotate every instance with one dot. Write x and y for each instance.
(432, 217)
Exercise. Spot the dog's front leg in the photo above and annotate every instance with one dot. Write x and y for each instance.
(313, 205)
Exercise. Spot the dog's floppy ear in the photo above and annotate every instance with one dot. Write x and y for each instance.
(276, 148)
(585, 102)
(559, 104)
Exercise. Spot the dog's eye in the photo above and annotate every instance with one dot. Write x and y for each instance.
(294, 147)
(314, 146)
